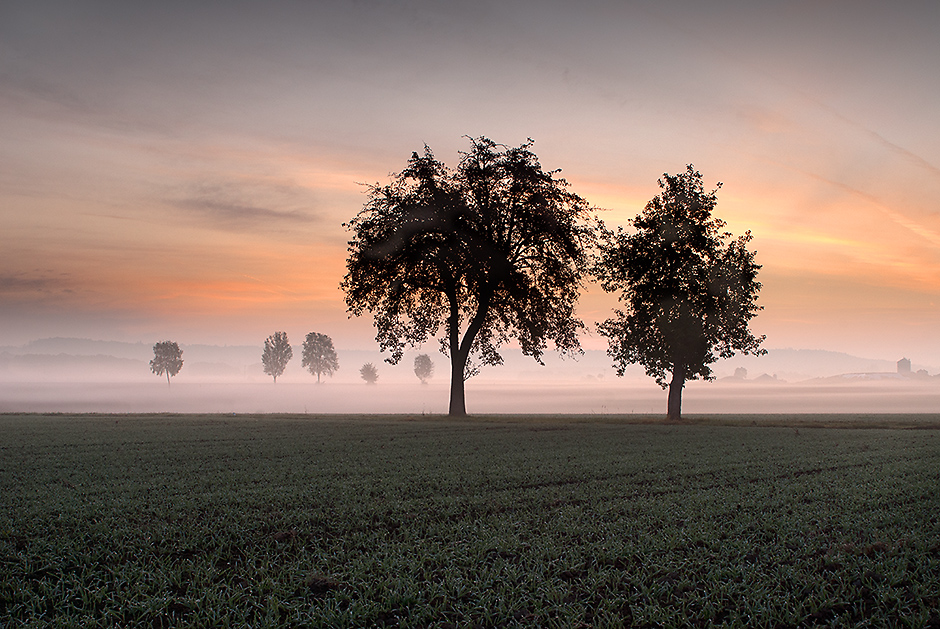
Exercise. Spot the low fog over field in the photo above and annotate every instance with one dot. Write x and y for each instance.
(76, 375)
(483, 397)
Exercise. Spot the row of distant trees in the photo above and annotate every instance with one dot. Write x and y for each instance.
(319, 358)
(500, 249)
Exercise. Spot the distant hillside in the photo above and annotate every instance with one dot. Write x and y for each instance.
(70, 367)
(85, 347)
(58, 357)
(802, 364)
(232, 354)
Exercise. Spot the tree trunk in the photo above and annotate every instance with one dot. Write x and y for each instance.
(168, 379)
(674, 407)
(460, 350)
(458, 361)
(458, 402)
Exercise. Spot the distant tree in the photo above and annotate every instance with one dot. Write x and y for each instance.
(369, 373)
(690, 288)
(424, 368)
(167, 359)
(319, 357)
(496, 249)
(277, 353)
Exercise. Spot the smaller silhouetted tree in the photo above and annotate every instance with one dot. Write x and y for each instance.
(277, 353)
(369, 373)
(319, 357)
(424, 368)
(167, 359)
(690, 288)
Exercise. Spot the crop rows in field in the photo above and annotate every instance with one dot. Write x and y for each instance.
(271, 521)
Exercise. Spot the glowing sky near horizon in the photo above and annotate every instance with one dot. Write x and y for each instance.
(182, 170)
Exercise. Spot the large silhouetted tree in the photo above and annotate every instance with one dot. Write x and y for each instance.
(493, 250)
(319, 357)
(277, 353)
(167, 359)
(689, 286)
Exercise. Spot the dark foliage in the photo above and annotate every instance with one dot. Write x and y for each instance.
(690, 288)
(493, 250)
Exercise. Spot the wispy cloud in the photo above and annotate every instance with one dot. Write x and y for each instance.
(237, 216)
(907, 223)
(877, 138)
(20, 284)
(25, 292)
(247, 206)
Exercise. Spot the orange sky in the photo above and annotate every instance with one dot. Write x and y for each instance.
(166, 173)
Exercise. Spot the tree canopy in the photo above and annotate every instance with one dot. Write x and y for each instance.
(319, 357)
(493, 250)
(167, 359)
(424, 368)
(689, 286)
(369, 373)
(277, 353)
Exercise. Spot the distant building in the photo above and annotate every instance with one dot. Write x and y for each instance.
(904, 366)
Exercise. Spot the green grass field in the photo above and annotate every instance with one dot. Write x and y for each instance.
(160, 521)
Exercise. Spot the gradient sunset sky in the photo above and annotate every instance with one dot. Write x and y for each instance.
(182, 170)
